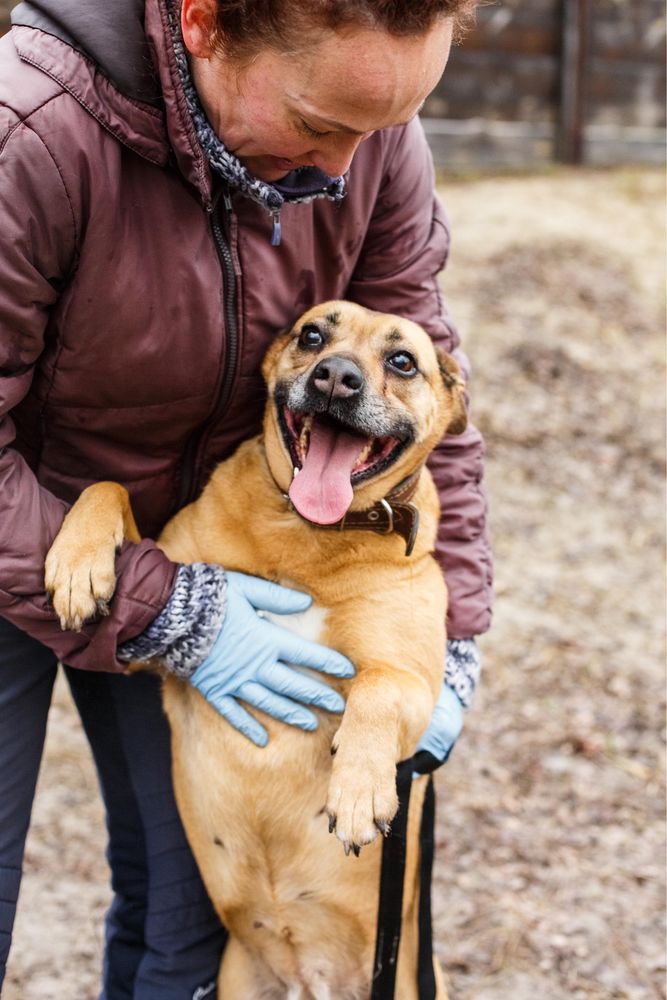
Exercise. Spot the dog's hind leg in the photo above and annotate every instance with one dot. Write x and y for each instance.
(243, 977)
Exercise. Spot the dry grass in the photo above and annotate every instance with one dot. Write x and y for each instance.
(550, 868)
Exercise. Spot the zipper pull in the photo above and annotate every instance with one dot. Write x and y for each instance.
(217, 195)
(228, 202)
(277, 231)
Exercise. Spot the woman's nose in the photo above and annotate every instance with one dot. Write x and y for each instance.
(335, 157)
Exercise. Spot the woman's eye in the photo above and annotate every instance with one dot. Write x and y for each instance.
(403, 363)
(310, 337)
(309, 130)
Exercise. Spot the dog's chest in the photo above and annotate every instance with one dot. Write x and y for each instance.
(307, 624)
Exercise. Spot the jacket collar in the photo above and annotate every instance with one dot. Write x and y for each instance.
(108, 32)
(141, 130)
(125, 76)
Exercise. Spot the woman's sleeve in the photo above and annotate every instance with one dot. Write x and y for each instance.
(405, 249)
(38, 250)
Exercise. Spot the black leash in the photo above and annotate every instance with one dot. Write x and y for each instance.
(392, 878)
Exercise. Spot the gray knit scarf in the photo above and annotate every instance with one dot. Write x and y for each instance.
(301, 185)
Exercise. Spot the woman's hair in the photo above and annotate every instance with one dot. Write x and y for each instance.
(242, 27)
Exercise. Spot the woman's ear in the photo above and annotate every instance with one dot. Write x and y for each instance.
(198, 26)
(456, 392)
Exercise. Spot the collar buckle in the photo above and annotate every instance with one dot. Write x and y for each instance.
(390, 515)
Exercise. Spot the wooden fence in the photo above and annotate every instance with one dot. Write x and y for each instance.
(538, 80)
(581, 81)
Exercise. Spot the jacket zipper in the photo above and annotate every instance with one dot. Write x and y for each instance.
(186, 491)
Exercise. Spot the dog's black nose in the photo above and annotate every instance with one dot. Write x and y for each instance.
(337, 377)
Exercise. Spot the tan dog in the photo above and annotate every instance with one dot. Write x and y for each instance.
(357, 400)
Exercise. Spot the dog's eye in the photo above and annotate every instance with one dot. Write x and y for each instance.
(311, 336)
(402, 363)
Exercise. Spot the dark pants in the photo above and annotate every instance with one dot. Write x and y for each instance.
(163, 939)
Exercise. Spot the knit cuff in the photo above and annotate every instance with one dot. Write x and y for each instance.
(183, 633)
(462, 668)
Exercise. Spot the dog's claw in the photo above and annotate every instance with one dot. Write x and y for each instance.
(383, 827)
(334, 750)
(346, 848)
(102, 607)
(356, 849)
(332, 824)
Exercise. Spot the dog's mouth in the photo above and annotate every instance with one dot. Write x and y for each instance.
(330, 458)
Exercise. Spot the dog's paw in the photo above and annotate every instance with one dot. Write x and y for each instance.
(80, 576)
(362, 799)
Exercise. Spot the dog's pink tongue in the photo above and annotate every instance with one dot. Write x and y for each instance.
(322, 491)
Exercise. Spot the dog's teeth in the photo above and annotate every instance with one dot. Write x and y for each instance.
(296, 471)
(365, 452)
(304, 436)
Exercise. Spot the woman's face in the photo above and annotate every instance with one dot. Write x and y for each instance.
(278, 111)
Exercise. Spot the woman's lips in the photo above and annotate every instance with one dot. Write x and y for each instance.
(283, 164)
(269, 168)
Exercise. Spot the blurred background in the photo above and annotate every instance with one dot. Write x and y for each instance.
(548, 131)
(575, 81)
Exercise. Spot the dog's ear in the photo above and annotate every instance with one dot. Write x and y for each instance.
(451, 376)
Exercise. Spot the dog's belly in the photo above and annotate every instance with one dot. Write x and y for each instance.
(255, 818)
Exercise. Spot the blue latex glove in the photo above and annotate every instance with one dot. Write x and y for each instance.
(445, 725)
(250, 660)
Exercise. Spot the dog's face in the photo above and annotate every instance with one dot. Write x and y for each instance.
(357, 400)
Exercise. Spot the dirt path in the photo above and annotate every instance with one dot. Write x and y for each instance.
(550, 865)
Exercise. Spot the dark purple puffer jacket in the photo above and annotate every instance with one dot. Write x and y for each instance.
(131, 336)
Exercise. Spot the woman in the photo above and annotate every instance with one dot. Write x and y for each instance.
(145, 268)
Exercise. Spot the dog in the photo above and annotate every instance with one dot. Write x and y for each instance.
(356, 401)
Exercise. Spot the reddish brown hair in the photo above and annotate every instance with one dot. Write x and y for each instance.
(244, 26)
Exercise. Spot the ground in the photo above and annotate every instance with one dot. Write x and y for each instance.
(549, 876)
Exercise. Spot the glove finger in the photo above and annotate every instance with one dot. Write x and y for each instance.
(267, 596)
(237, 716)
(288, 681)
(276, 706)
(302, 652)
(445, 726)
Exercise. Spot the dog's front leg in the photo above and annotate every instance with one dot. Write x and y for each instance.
(79, 573)
(387, 711)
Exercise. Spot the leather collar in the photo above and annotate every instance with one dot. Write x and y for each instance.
(394, 513)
